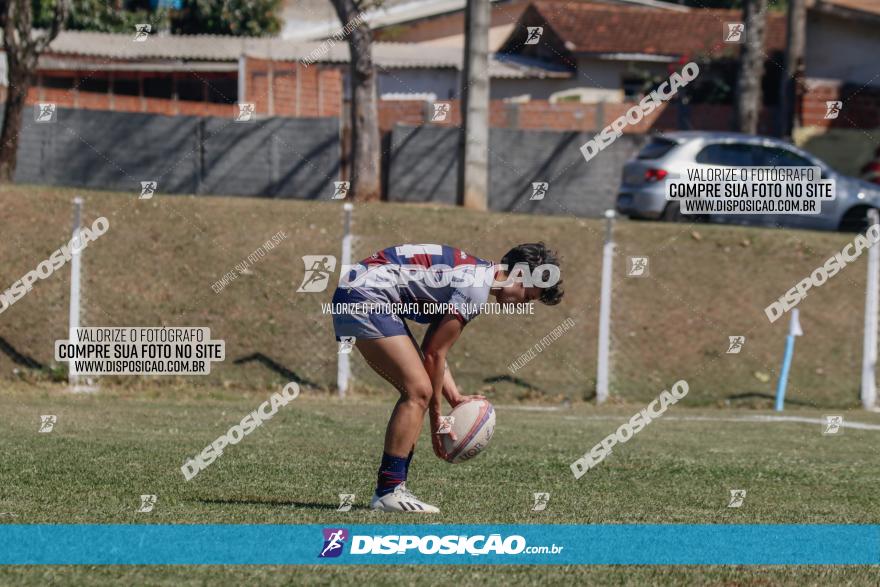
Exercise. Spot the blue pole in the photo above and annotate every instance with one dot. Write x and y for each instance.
(783, 376)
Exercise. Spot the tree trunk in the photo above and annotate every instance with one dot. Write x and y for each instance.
(366, 150)
(473, 159)
(751, 67)
(792, 78)
(23, 49)
(12, 112)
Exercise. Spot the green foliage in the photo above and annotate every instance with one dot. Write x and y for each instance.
(251, 18)
(246, 18)
(107, 16)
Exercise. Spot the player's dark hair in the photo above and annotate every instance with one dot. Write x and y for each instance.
(535, 255)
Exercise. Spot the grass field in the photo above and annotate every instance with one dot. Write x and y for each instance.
(108, 449)
(157, 264)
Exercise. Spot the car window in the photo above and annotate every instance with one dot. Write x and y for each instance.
(656, 148)
(728, 155)
(780, 157)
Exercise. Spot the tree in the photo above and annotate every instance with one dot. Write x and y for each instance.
(23, 47)
(243, 18)
(105, 16)
(751, 67)
(473, 141)
(796, 39)
(250, 18)
(365, 146)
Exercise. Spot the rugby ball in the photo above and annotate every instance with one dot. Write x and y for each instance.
(473, 426)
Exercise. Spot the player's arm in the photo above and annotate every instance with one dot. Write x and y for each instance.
(452, 393)
(438, 340)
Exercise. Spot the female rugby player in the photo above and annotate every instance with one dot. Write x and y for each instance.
(428, 284)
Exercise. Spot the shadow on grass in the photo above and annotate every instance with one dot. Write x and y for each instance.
(18, 358)
(268, 501)
(277, 367)
(515, 381)
(767, 396)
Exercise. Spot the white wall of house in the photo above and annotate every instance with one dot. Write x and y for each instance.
(440, 81)
(841, 48)
(526, 89)
(596, 80)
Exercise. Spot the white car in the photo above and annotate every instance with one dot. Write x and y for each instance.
(642, 192)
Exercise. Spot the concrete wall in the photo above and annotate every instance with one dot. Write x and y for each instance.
(424, 164)
(276, 157)
(842, 49)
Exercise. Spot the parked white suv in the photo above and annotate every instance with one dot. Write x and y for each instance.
(642, 192)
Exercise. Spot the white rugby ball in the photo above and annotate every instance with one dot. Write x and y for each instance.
(473, 426)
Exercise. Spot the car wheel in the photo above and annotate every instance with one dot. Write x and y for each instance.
(855, 220)
(672, 213)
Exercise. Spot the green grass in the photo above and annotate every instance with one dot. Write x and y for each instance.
(109, 448)
(156, 266)
(157, 263)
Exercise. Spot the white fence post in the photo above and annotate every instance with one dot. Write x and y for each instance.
(605, 310)
(869, 349)
(73, 310)
(343, 364)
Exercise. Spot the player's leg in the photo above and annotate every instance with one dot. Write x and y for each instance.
(397, 360)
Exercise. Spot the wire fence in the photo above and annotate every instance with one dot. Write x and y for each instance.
(687, 301)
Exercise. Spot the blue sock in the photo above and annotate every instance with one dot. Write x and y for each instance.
(408, 461)
(392, 472)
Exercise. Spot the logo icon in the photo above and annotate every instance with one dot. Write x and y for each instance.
(346, 500)
(445, 426)
(441, 111)
(246, 112)
(735, 344)
(47, 423)
(345, 344)
(832, 109)
(142, 32)
(833, 425)
(147, 504)
(737, 497)
(340, 190)
(319, 268)
(735, 32)
(45, 112)
(541, 501)
(148, 188)
(534, 35)
(334, 540)
(637, 267)
(539, 190)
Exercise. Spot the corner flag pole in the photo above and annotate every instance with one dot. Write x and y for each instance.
(794, 329)
(343, 365)
(73, 312)
(605, 310)
(869, 347)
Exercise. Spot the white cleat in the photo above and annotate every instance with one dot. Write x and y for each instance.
(402, 500)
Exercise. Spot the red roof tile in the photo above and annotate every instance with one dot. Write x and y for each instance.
(603, 28)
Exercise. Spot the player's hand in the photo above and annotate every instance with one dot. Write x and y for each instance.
(436, 437)
(437, 444)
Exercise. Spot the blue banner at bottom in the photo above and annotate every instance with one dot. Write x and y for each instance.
(657, 544)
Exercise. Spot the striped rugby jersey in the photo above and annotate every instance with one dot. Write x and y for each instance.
(419, 274)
